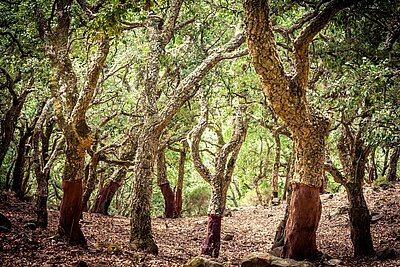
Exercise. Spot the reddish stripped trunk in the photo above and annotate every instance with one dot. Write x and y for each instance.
(104, 198)
(212, 243)
(302, 223)
(169, 200)
(70, 212)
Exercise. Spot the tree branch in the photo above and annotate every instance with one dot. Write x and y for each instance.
(307, 35)
(194, 138)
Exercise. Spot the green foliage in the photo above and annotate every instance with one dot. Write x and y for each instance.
(251, 199)
(196, 200)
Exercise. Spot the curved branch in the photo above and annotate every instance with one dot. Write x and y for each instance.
(335, 172)
(92, 77)
(169, 27)
(194, 138)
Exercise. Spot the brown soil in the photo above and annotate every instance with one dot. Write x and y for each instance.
(253, 229)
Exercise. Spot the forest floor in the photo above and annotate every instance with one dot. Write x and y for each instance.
(252, 228)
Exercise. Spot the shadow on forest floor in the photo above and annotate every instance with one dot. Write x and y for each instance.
(252, 228)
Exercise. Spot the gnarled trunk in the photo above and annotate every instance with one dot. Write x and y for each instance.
(353, 157)
(286, 94)
(224, 164)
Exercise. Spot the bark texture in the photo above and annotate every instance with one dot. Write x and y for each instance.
(141, 237)
(42, 161)
(303, 219)
(286, 93)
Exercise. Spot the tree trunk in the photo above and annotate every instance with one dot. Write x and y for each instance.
(19, 169)
(42, 164)
(104, 197)
(212, 243)
(289, 174)
(385, 161)
(304, 216)
(166, 190)
(286, 94)
(179, 182)
(9, 121)
(70, 212)
(394, 159)
(277, 164)
(169, 200)
(353, 154)
(372, 172)
(141, 237)
(280, 231)
(90, 182)
(359, 222)
(106, 193)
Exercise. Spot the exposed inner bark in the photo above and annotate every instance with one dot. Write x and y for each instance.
(162, 181)
(70, 212)
(212, 242)
(302, 224)
(169, 200)
(104, 198)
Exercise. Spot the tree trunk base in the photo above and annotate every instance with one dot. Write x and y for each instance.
(212, 243)
(178, 202)
(70, 212)
(302, 224)
(146, 245)
(360, 232)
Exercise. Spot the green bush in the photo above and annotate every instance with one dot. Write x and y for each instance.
(382, 181)
(251, 199)
(195, 201)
